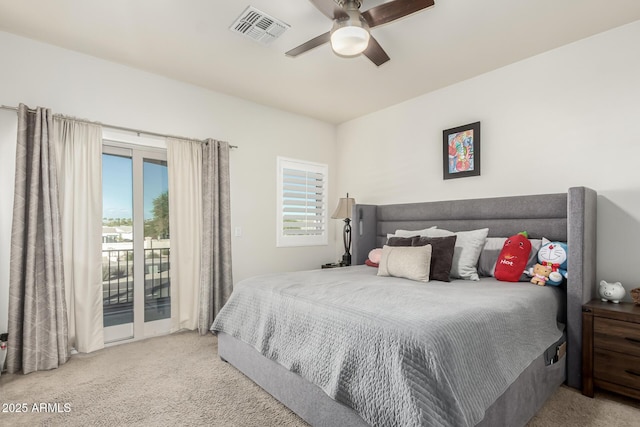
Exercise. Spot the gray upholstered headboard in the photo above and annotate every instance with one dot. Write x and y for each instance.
(569, 217)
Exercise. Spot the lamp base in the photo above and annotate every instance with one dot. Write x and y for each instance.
(346, 259)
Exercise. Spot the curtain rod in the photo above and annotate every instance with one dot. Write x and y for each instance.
(127, 129)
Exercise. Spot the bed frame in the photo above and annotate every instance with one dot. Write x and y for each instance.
(569, 217)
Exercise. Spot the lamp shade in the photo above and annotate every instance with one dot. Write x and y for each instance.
(345, 206)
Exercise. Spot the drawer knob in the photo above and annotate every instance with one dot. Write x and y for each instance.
(633, 340)
(630, 372)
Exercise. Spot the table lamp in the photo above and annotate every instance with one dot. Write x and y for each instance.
(343, 211)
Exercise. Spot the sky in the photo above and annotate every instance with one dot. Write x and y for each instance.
(117, 186)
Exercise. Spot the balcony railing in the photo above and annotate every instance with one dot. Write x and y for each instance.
(117, 276)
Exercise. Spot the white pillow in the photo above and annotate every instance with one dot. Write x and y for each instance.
(468, 247)
(409, 233)
(409, 262)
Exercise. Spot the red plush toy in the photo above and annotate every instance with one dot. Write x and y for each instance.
(513, 258)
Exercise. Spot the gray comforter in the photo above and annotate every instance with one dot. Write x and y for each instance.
(400, 353)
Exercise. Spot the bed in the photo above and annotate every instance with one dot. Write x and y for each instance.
(341, 347)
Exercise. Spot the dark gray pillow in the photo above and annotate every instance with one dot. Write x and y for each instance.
(401, 241)
(441, 255)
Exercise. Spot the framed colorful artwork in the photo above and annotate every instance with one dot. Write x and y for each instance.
(461, 151)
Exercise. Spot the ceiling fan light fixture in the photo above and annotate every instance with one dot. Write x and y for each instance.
(350, 37)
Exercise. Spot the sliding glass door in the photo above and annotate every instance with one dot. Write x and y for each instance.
(135, 243)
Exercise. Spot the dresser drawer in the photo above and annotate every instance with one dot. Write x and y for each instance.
(616, 335)
(617, 368)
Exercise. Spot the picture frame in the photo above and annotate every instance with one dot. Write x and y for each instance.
(461, 151)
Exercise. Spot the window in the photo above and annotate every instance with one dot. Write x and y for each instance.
(302, 209)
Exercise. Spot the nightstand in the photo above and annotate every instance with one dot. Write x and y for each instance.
(611, 348)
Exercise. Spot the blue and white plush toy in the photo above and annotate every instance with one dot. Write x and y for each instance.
(554, 255)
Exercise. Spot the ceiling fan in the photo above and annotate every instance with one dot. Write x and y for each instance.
(350, 34)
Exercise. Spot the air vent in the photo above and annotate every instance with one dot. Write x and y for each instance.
(258, 25)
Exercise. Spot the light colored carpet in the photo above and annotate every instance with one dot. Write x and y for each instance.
(179, 380)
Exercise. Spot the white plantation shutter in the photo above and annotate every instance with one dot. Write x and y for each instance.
(302, 202)
(302, 209)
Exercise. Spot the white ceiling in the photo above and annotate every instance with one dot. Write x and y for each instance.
(190, 41)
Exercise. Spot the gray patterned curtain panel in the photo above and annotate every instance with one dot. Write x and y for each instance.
(216, 282)
(37, 312)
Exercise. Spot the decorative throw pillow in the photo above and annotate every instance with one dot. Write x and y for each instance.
(491, 251)
(375, 255)
(409, 262)
(401, 241)
(371, 263)
(442, 249)
(513, 258)
(469, 244)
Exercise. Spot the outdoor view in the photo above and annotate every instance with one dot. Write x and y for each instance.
(118, 240)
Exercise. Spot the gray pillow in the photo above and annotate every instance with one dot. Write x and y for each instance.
(409, 262)
(489, 255)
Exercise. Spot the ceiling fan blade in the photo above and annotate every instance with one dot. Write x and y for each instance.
(375, 52)
(391, 11)
(314, 42)
(330, 8)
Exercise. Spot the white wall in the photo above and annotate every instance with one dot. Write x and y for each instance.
(79, 85)
(568, 117)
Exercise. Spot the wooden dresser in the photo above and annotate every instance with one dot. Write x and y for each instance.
(611, 348)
